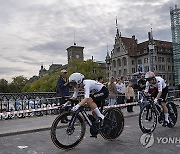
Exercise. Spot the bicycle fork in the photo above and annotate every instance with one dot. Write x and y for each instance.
(71, 128)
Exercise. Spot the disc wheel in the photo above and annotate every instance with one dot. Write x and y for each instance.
(113, 124)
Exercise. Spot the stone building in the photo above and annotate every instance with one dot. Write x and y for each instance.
(129, 57)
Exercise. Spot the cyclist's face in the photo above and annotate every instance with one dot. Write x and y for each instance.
(77, 86)
(152, 81)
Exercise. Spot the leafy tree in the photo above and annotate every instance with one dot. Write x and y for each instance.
(18, 83)
(4, 87)
(46, 83)
(90, 69)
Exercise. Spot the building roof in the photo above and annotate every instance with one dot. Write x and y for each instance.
(135, 49)
(131, 45)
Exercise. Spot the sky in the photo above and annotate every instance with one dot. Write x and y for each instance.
(35, 32)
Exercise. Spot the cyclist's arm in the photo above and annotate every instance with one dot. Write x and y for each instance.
(75, 94)
(146, 88)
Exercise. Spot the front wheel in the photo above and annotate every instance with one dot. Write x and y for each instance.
(173, 114)
(147, 119)
(113, 124)
(65, 137)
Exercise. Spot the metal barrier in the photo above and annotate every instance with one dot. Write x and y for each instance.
(21, 105)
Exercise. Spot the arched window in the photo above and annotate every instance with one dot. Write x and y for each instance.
(124, 61)
(114, 63)
(119, 62)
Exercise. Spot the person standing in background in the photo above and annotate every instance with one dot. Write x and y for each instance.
(130, 96)
(141, 88)
(63, 89)
(120, 86)
(113, 94)
(100, 79)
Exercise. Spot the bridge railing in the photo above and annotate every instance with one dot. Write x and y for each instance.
(19, 105)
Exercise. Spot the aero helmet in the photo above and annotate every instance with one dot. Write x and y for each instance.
(149, 75)
(76, 78)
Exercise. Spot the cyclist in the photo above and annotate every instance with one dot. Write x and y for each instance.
(98, 90)
(161, 91)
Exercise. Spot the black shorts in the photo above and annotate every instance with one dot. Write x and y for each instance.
(100, 96)
(163, 95)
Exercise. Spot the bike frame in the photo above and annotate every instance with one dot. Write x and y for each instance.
(84, 114)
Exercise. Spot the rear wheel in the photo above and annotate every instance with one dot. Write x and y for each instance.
(147, 119)
(113, 124)
(65, 137)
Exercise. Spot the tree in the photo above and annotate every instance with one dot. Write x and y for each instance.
(90, 69)
(18, 83)
(4, 88)
(46, 83)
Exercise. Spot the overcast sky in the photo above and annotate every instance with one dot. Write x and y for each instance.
(36, 31)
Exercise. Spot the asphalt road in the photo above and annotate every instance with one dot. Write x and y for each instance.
(127, 143)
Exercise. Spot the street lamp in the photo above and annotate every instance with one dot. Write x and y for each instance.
(151, 50)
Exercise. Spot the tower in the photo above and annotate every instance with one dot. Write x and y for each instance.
(175, 29)
(75, 53)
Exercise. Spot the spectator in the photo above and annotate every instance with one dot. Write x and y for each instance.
(130, 96)
(63, 88)
(112, 92)
(120, 86)
(141, 88)
(100, 79)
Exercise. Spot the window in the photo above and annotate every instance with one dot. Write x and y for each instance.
(114, 63)
(163, 67)
(145, 60)
(124, 61)
(155, 58)
(119, 62)
(133, 70)
(125, 72)
(169, 68)
(139, 61)
(119, 72)
(168, 60)
(114, 73)
(162, 59)
(159, 67)
(133, 62)
(157, 49)
(159, 59)
(146, 68)
(169, 77)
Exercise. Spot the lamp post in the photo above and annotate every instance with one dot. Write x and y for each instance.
(151, 50)
(108, 62)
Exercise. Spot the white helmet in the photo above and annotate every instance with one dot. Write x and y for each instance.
(76, 78)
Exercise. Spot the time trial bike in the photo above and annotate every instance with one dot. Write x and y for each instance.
(152, 113)
(68, 135)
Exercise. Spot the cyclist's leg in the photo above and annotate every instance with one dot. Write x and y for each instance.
(97, 99)
(163, 104)
(95, 108)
